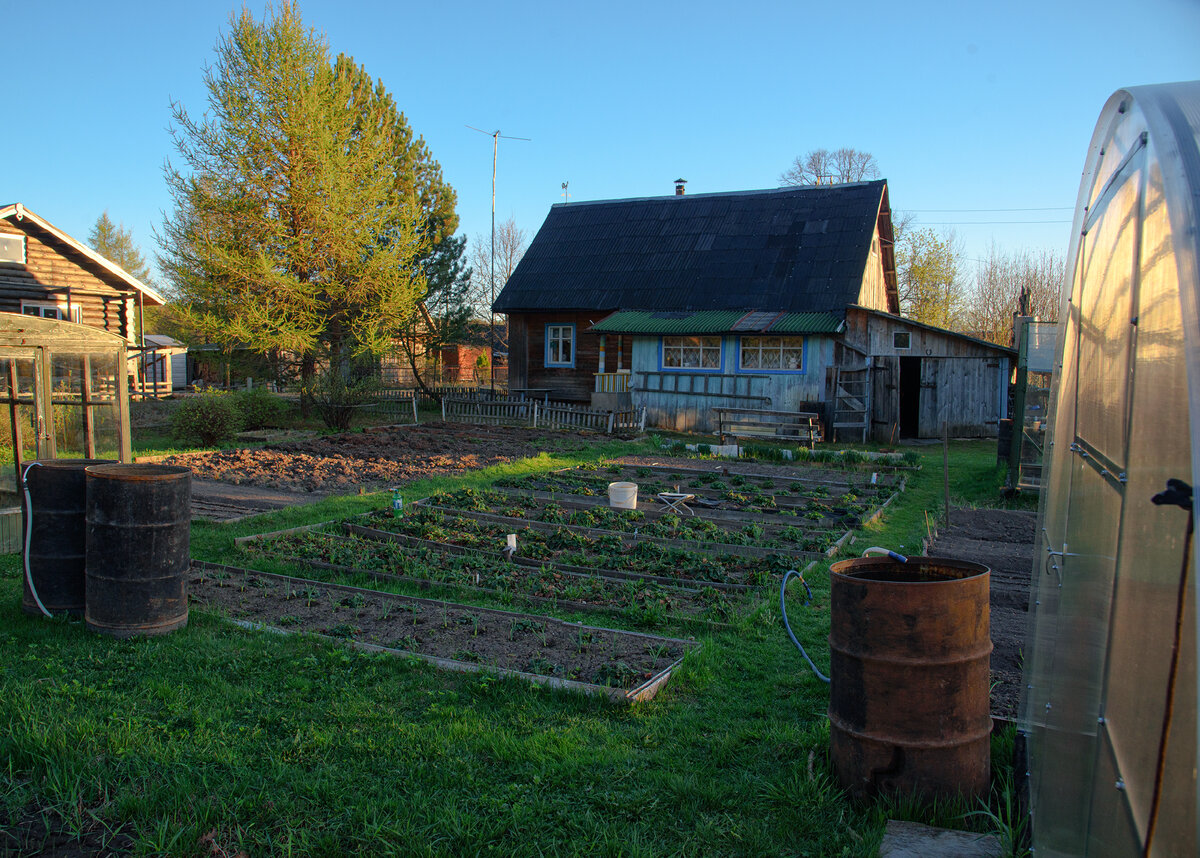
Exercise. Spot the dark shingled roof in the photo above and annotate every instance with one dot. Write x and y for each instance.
(800, 250)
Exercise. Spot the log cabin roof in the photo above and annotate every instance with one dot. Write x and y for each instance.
(796, 250)
(18, 214)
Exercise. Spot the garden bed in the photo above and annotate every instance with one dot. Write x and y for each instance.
(816, 534)
(829, 501)
(622, 665)
(643, 599)
(602, 550)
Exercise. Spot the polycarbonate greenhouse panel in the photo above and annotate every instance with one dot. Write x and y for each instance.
(1111, 690)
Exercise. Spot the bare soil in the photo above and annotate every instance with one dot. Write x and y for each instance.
(1002, 540)
(528, 643)
(377, 457)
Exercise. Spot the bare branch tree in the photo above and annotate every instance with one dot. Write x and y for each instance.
(822, 167)
(999, 281)
(511, 242)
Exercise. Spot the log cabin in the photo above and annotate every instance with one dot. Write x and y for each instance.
(47, 273)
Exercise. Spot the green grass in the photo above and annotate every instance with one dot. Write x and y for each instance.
(213, 736)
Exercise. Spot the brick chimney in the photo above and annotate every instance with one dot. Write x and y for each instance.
(679, 183)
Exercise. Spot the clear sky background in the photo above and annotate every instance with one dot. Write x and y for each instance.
(979, 114)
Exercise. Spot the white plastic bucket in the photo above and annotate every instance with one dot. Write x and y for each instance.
(622, 495)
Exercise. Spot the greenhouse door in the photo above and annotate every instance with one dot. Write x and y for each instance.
(20, 385)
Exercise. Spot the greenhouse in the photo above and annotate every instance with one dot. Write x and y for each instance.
(64, 392)
(1110, 668)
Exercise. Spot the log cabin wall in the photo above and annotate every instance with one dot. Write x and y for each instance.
(527, 346)
(54, 272)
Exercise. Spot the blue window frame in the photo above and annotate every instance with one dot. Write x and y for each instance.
(560, 345)
(771, 354)
(694, 353)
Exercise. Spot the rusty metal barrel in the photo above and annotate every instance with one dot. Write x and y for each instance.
(57, 492)
(910, 648)
(138, 519)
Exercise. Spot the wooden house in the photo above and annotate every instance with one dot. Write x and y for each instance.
(45, 272)
(780, 299)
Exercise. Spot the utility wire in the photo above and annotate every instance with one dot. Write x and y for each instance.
(1044, 209)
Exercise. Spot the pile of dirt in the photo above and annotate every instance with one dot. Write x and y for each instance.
(377, 457)
(1002, 540)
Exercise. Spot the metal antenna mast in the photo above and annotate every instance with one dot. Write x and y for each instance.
(496, 136)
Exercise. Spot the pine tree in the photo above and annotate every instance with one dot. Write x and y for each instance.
(115, 243)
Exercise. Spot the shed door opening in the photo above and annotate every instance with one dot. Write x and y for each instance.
(910, 397)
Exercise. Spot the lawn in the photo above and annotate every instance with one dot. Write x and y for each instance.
(213, 739)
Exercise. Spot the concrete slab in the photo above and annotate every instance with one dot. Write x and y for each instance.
(913, 840)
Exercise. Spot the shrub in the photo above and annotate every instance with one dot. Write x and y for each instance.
(338, 400)
(207, 419)
(261, 409)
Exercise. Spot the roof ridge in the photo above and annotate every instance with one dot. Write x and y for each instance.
(787, 189)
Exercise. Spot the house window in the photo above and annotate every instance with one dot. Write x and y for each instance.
(691, 353)
(560, 345)
(47, 310)
(772, 354)
(901, 340)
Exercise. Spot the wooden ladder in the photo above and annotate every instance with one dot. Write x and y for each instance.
(852, 403)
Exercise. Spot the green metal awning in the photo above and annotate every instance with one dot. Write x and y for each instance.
(718, 322)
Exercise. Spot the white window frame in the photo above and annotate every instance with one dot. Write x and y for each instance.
(60, 310)
(777, 345)
(675, 346)
(559, 336)
(896, 341)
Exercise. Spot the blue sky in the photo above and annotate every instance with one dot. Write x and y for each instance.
(978, 114)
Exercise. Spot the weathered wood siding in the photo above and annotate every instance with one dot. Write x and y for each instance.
(963, 381)
(965, 394)
(682, 400)
(53, 272)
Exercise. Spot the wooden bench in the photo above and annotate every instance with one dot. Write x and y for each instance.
(802, 426)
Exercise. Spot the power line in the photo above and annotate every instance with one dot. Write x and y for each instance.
(985, 222)
(1044, 209)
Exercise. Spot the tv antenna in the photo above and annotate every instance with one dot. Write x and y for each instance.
(496, 137)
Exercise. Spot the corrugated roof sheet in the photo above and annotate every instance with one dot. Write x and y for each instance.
(790, 250)
(717, 322)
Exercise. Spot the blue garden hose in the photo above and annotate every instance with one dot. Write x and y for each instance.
(899, 558)
(783, 609)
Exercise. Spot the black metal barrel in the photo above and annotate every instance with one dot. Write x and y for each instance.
(57, 493)
(138, 519)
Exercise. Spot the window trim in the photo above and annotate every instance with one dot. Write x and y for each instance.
(662, 348)
(61, 308)
(803, 355)
(896, 346)
(549, 364)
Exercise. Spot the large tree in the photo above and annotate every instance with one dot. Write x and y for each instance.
(292, 230)
(823, 167)
(418, 177)
(929, 274)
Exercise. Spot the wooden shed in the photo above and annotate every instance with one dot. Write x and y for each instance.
(923, 377)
